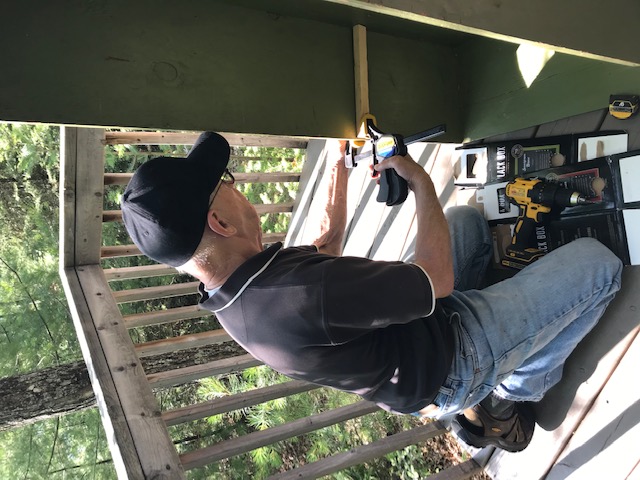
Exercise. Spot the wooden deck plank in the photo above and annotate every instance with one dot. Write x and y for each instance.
(610, 428)
(360, 191)
(309, 180)
(390, 242)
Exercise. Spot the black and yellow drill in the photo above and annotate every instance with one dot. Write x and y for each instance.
(535, 198)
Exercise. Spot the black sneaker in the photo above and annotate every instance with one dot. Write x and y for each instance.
(513, 434)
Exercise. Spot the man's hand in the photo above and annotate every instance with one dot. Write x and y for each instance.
(406, 167)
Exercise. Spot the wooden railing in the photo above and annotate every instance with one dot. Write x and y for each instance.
(136, 427)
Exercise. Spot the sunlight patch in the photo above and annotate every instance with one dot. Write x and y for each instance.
(531, 60)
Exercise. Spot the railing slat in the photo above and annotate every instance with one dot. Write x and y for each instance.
(364, 453)
(149, 293)
(115, 251)
(258, 177)
(235, 402)
(261, 209)
(144, 271)
(183, 342)
(177, 138)
(131, 250)
(179, 376)
(165, 316)
(246, 443)
(461, 471)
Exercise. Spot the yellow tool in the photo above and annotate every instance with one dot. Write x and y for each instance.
(535, 198)
(623, 106)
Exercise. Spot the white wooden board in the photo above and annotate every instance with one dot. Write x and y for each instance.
(606, 443)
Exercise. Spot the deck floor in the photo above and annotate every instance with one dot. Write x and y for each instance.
(588, 425)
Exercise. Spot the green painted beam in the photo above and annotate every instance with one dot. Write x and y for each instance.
(201, 64)
(280, 67)
(497, 99)
(587, 28)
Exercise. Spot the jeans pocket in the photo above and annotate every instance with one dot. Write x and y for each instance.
(446, 395)
(467, 351)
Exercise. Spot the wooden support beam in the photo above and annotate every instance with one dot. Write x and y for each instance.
(361, 75)
(165, 316)
(365, 453)
(183, 342)
(175, 138)
(246, 443)
(180, 376)
(236, 402)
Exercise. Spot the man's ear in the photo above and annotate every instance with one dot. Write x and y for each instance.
(220, 225)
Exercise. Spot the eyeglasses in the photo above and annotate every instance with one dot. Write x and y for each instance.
(227, 178)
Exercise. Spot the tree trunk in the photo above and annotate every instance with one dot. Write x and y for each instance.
(56, 391)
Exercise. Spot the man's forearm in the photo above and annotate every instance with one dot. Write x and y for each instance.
(331, 204)
(433, 242)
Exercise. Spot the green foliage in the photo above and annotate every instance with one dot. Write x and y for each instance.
(73, 446)
(35, 326)
(268, 160)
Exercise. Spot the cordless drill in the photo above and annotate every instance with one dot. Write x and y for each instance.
(535, 199)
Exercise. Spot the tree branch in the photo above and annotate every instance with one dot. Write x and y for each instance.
(26, 473)
(6, 333)
(53, 447)
(35, 306)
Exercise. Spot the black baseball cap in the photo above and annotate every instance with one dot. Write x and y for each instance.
(165, 205)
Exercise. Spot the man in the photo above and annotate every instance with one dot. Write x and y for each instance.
(416, 338)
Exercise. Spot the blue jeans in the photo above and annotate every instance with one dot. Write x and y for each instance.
(513, 337)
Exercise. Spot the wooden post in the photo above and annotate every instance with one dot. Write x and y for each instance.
(81, 192)
(361, 75)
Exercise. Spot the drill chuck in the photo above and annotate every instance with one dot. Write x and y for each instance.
(568, 198)
(579, 199)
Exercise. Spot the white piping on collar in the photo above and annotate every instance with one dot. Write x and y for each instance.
(248, 282)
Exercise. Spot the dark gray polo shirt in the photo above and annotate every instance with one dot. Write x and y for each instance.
(355, 324)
